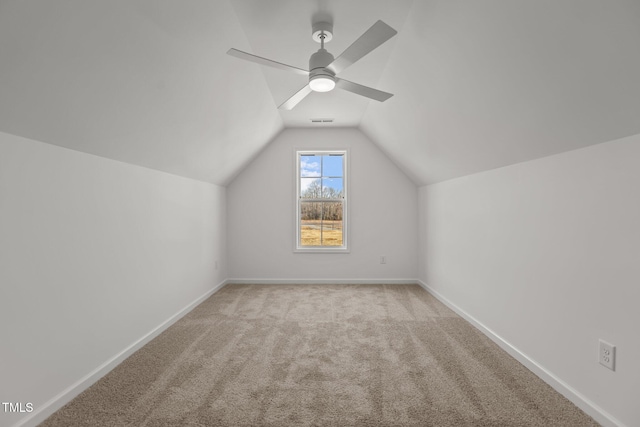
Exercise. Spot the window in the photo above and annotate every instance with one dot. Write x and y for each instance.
(321, 200)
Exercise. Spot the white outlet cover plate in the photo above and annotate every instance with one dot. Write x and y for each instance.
(607, 355)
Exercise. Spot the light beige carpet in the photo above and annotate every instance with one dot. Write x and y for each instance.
(321, 355)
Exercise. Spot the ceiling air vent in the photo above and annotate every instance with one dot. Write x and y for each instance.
(321, 120)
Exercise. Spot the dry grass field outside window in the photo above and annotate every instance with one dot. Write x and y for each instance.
(310, 234)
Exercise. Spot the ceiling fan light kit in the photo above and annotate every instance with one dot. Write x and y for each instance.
(323, 67)
(322, 83)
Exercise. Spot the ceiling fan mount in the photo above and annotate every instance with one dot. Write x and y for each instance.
(322, 31)
(323, 67)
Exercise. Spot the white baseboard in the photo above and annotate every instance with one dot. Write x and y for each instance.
(323, 281)
(57, 402)
(593, 410)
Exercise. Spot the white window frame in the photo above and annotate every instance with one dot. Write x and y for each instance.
(345, 216)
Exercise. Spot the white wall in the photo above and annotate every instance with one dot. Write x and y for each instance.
(94, 255)
(546, 254)
(382, 210)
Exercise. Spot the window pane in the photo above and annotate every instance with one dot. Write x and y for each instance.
(310, 223)
(310, 166)
(310, 188)
(332, 188)
(332, 224)
(332, 165)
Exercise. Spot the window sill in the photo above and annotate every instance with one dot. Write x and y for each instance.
(317, 250)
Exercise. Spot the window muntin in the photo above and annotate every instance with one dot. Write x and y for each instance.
(321, 201)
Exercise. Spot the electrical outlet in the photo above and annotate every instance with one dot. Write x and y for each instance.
(383, 259)
(215, 265)
(607, 355)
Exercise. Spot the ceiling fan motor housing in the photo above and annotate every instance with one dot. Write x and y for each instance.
(319, 62)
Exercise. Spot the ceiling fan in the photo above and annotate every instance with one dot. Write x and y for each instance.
(323, 68)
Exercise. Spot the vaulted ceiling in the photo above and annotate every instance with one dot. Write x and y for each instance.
(477, 85)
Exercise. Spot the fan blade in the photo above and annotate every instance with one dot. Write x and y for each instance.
(296, 98)
(264, 61)
(369, 92)
(371, 39)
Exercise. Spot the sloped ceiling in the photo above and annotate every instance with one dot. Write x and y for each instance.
(477, 85)
(144, 82)
(484, 84)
